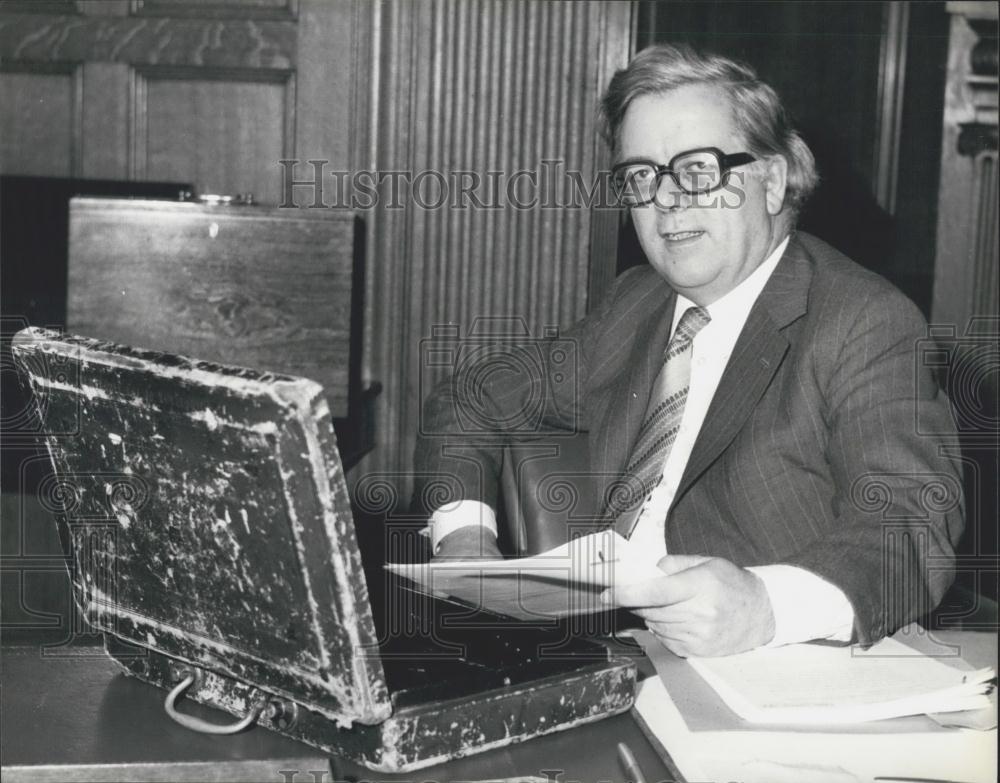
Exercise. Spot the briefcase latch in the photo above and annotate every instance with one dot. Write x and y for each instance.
(281, 713)
(218, 199)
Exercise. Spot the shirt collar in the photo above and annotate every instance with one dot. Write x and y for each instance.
(733, 308)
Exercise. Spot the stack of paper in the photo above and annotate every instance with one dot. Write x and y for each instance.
(707, 741)
(822, 684)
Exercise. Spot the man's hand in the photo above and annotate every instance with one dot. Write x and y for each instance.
(466, 543)
(703, 606)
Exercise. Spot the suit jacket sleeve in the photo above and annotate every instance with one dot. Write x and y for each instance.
(897, 493)
(498, 393)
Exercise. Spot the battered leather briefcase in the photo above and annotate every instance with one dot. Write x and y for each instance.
(213, 543)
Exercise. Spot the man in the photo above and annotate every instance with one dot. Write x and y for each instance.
(760, 388)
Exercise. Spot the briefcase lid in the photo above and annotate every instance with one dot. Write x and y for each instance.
(209, 517)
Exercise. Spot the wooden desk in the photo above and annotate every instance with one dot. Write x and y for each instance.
(75, 718)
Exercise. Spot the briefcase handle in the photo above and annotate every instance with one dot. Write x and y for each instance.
(197, 724)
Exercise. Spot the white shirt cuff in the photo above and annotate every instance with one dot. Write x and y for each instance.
(805, 606)
(461, 513)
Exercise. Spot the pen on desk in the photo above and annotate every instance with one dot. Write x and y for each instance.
(630, 764)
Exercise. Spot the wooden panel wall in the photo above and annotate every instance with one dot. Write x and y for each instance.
(39, 124)
(481, 87)
(230, 132)
(211, 92)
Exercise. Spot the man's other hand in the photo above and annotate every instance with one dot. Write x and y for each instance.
(703, 606)
(469, 542)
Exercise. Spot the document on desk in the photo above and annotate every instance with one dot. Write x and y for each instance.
(561, 582)
(684, 716)
(824, 684)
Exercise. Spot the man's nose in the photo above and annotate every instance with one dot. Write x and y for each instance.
(669, 196)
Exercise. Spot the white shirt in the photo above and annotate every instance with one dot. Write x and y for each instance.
(804, 605)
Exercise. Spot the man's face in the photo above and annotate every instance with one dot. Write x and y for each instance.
(704, 245)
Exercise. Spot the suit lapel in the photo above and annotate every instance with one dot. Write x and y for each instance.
(758, 353)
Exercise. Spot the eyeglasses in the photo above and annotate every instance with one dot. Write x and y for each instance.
(695, 172)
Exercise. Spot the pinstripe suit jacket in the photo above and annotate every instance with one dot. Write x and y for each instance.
(810, 453)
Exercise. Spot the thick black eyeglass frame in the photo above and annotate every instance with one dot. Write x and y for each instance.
(726, 164)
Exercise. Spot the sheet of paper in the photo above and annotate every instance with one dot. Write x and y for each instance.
(561, 582)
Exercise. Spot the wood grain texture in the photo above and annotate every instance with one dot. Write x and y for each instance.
(232, 9)
(326, 122)
(256, 287)
(105, 145)
(226, 136)
(221, 43)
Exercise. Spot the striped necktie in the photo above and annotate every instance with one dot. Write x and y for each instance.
(663, 418)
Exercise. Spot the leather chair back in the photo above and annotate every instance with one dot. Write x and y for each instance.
(548, 492)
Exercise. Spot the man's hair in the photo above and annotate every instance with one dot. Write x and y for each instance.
(757, 109)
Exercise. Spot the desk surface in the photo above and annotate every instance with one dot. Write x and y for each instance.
(72, 716)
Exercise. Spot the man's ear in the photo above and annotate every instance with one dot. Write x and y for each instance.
(775, 182)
